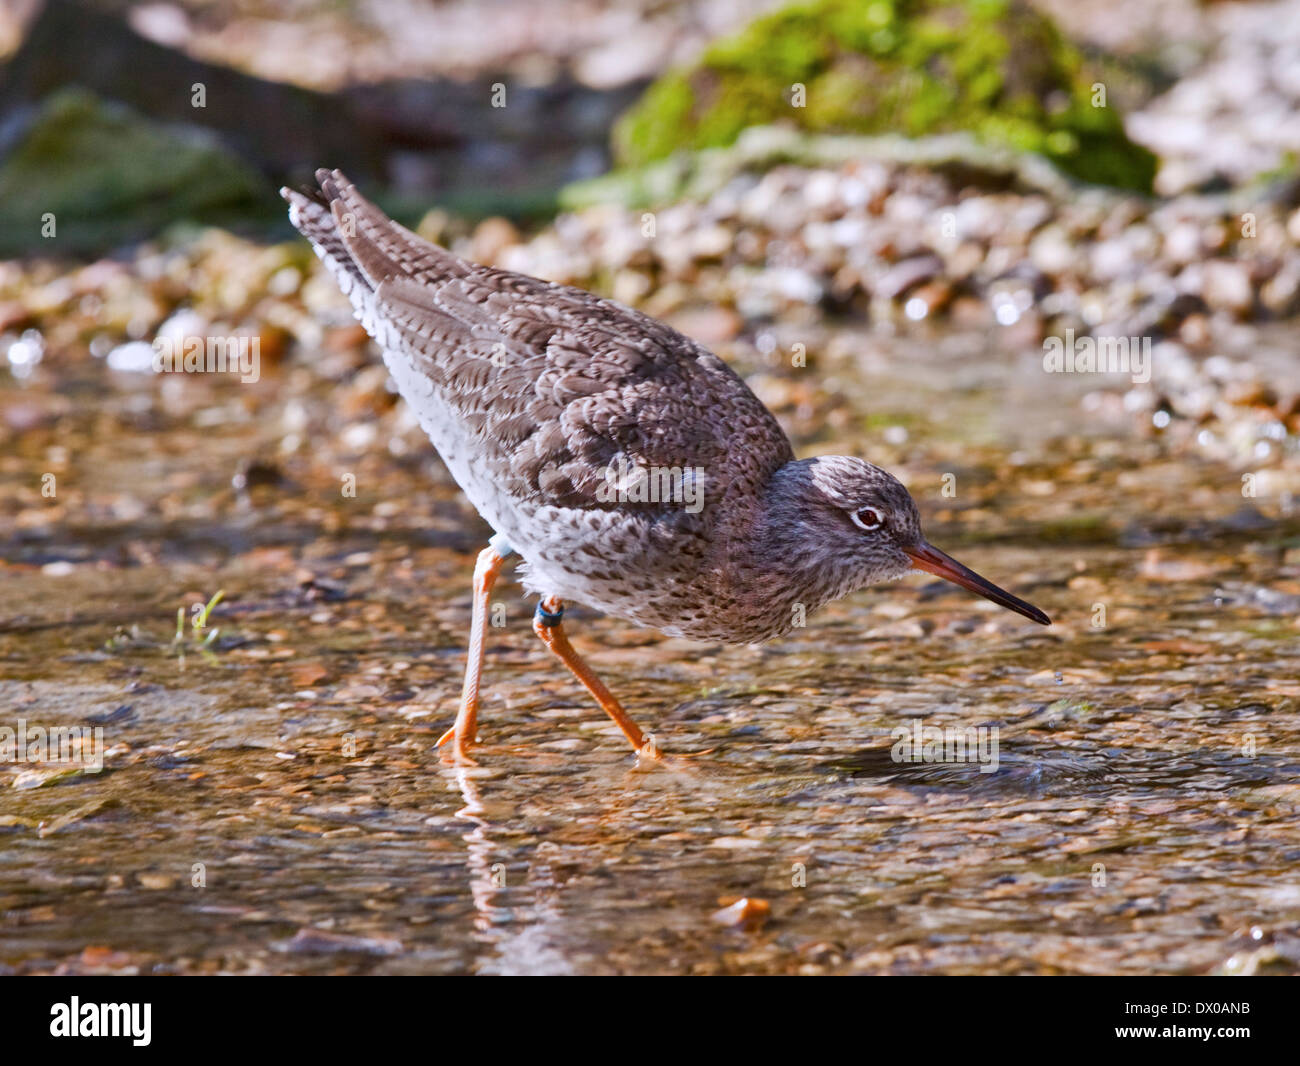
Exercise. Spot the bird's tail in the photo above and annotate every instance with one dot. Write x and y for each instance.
(312, 214)
(361, 246)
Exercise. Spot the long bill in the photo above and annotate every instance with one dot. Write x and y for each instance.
(933, 561)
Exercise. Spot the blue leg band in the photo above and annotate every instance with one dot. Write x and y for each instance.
(549, 618)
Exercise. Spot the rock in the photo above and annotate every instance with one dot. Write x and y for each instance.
(902, 277)
(134, 357)
(279, 126)
(102, 175)
(1226, 286)
(1182, 244)
(1156, 566)
(1052, 251)
(710, 242)
(708, 325)
(1249, 394)
(1112, 259)
(308, 941)
(749, 913)
(1281, 293)
(1195, 331)
(1003, 72)
(491, 237)
(927, 300)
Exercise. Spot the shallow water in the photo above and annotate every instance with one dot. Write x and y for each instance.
(1142, 816)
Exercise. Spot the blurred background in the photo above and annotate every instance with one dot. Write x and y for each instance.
(881, 212)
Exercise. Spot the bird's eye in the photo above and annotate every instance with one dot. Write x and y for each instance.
(868, 518)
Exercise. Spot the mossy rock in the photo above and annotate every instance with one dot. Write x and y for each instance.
(995, 68)
(699, 175)
(109, 176)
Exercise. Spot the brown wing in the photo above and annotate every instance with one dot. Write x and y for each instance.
(551, 382)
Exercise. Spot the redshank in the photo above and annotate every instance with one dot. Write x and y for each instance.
(629, 468)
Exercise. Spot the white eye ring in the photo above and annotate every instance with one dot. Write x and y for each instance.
(867, 518)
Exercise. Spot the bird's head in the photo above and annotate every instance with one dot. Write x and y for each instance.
(858, 525)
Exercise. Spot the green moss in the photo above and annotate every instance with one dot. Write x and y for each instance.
(917, 67)
(106, 175)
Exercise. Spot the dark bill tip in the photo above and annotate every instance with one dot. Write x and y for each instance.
(933, 561)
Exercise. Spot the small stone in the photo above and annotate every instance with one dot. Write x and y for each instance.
(1183, 243)
(1195, 331)
(708, 325)
(1249, 394)
(492, 237)
(905, 276)
(749, 913)
(929, 299)
(306, 674)
(1052, 252)
(1227, 286)
(1281, 293)
(711, 242)
(322, 942)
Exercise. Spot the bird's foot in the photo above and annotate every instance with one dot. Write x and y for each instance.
(649, 756)
(458, 752)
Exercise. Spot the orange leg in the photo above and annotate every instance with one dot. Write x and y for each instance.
(546, 624)
(463, 732)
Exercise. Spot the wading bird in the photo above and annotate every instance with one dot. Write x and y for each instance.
(552, 407)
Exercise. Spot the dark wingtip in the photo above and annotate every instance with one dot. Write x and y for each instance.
(332, 183)
(306, 192)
